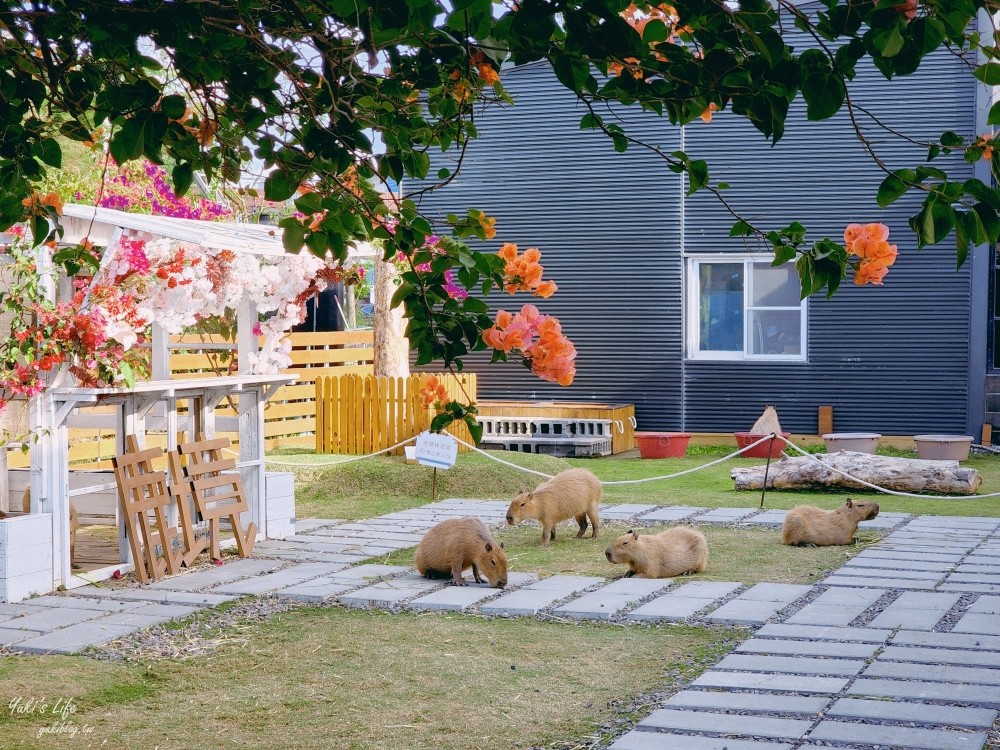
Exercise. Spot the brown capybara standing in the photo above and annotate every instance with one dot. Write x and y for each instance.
(459, 543)
(575, 493)
(673, 552)
(805, 524)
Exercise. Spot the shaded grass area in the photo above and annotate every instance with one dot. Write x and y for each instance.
(337, 678)
(745, 554)
(372, 487)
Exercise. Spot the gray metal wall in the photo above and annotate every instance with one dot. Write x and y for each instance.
(892, 360)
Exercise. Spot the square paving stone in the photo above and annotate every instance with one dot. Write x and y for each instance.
(611, 599)
(786, 683)
(20, 609)
(624, 511)
(775, 592)
(316, 590)
(849, 569)
(361, 575)
(807, 648)
(192, 598)
(387, 593)
(971, 588)
(460, 598)
(79, 602)
(973, 578)
(992, 570)
(946, 640)
(884, 521)
(884, 583)
(727, 724)
(672, 513)
(977, 695)
(279, 579)
(746, 612)
(925, 655)
(791, 665)
(766, 518)
(880, 553)
(812, 632)
(776, 703)
(9, 636)
(537, 596)
(916, 611)
(836, 607)
(905, 671)
(977, 622)
(308, 524)
(51, 619)
(684, 601)
(72, 639)
(203, 579)
(897, 736)
(640, 740)
(726, 515)
(302, 556)
(921, 713)
(989, 605)
(898, 564)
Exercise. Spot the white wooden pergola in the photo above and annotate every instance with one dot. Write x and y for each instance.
(152, 404)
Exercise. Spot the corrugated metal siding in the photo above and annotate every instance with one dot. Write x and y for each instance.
(891, 360)
(608, 228)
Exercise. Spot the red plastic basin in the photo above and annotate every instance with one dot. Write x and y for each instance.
(662, 444)
(743, 439)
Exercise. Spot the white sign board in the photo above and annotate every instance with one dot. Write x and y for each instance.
(439, 451)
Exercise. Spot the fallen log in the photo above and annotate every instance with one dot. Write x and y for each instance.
(900, 474)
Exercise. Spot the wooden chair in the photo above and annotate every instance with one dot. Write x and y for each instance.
(217, 490)
(142, 489)
(183, 495)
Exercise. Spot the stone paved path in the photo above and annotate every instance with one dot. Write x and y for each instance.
(897, 648)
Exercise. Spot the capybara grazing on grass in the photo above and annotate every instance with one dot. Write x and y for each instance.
(805, 524)
(459, 543)
(673, 552)
(575, 493)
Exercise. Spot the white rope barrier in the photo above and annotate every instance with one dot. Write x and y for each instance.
(663, 477)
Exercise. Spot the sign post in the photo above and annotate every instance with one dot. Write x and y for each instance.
(438, 450)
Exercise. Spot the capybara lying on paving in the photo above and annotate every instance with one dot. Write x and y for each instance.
(673, 552)
(575, 493)
(805, 524)
(459, 543)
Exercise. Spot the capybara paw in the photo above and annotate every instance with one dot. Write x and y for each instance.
(457, 581)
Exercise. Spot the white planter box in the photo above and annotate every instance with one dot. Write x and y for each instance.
(279, 505)
(25, 556)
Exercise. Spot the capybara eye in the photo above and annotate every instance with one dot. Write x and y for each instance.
(522, 505)
(492, 561)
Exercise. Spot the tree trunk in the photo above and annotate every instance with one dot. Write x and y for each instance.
(392, 349)
(900, 474)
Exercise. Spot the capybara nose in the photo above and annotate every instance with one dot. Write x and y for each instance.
(607, 553)
(502, 584)
(510, 519)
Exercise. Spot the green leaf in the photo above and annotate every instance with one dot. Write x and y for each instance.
(183, 175)
(127, 143)
(993, 118)
(783, 254)
(938, 221)
(974, 228)
(404, 291)
(173, 106)
(824, 93)
(294, 235)
(697, 175)
(888, 41)
(475, 429)
(278, 187)
(741, 229)
(50, 152)
(950, 139)
(988, 73)
(891, 189)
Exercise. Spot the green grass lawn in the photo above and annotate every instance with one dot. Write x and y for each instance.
(745, 554)
(332, 679)
(372, 487)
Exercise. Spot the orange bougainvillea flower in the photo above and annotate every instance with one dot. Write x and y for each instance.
(523, 273)
(706, 116)
(538, 339)
(908, 9)
(870, 243)
(985, 143)
(433, 393)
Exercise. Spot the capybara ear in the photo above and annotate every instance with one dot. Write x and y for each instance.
(634, 534)
(501, 545)
(489, 547)
(850, 503)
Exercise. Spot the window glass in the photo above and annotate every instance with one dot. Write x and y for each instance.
(775, 332)
(775, 286)
(720, 294)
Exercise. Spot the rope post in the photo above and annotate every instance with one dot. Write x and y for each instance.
(767, 466)
(434, 484)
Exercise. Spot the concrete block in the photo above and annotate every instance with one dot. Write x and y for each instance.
(611, 599)
(537, 596)
(897, 736)
(807, 648)
(461, 598)
(753, 702)
(672, 513)
(72, 639)
(920, 713)
(785, 683)
(791, 665)
(640, 740)
(818, 633)
(976, 695)
(727, 724)
(290, 576)
(52, 618)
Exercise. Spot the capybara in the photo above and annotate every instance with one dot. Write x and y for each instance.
(673, 552)
(805, 524)
(451, 546)
(574, 493)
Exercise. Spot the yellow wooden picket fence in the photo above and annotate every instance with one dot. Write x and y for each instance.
(357, 414)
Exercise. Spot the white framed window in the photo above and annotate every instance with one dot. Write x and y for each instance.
(740, 307)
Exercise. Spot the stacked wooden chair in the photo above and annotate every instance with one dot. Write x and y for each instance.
(204, 486)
